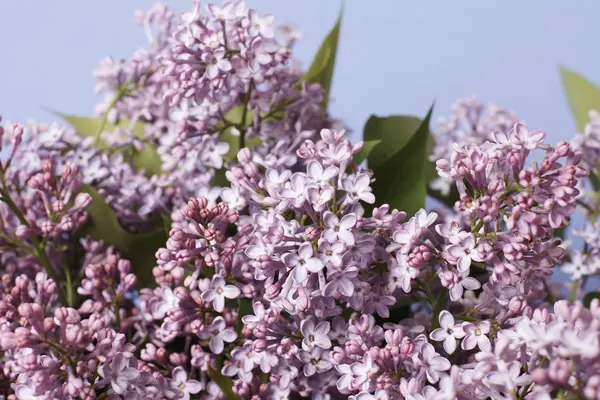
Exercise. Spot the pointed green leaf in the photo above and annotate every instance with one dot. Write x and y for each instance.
(223, 382)
(367, 148)
(147, 159)
(392, 132)
(323, 65)
(402, 180)
(583, 96)
(138, 248)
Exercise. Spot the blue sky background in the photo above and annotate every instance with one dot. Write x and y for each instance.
(395, 56)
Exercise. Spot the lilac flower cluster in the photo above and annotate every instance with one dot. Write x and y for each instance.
(282, 276)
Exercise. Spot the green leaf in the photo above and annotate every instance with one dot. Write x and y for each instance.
(582, 94)
(401, 181)
(595, 181)
(147, 159)
(323, 64)
(587, 299)
(139, 248)
(393, 133)
(223, 382)
(367, 148)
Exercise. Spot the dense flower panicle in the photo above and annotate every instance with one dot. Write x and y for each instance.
(471, 122)
(291, 280)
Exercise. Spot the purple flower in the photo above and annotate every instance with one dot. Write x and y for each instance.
(339, 229)
(465, 252)
(464, 282)
(476, 336)
(218, 292)
(120, 372)
(303, 262)
(318, 175)
(432, 362)
(187, 386)
(218, 334)
(315, 335)
(357, 188)
(315, 361)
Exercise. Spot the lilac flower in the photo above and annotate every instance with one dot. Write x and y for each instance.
(218, 292)
(218, 334)
(120, 372)
(357, 188)
(318, 175)
(339, 229)
(432, 363)
(315, 361)
(315, 335)
(303, 262)
(464, 282)
(465, 252)
(187, 386)
(448, 332)
(475, 335)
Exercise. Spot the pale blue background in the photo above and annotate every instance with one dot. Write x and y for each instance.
(395, 56)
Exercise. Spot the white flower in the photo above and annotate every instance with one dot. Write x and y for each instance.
(218, 292)
(448, 332)
(187, 386)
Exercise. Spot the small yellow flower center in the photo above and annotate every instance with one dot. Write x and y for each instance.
(477, 332)
(337, 228)
(302, 262)
(311, 338)
(220, 290)
(329, 252)
(182, 385)
(314, 361)
(468, 251)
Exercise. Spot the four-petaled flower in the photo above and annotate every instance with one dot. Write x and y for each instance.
(448, 332)
(476, 336)
(465, 252)
(187, 386)
(218, 292)
(303, 262)
(339, 229)
(315, 335)
(218, 334)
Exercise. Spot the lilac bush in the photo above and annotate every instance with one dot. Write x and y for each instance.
(213, 233)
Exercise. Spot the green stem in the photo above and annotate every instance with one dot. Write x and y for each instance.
(573, 293)
(69, 287)
(437, 309)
